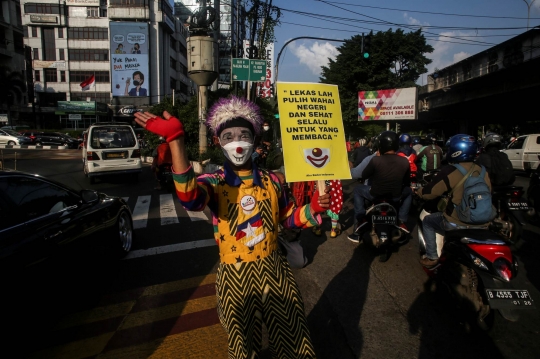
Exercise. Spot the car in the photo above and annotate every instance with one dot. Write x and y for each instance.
(523, 152)
(111, 148)
(44, 224)
(15, 128)
(44, 138)
(12, 138)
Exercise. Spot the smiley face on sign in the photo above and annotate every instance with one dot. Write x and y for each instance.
(317, 157)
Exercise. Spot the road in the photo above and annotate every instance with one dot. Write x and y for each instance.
(160, 301)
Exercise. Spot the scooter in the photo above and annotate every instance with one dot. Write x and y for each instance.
(533, 191)
(512, 209)
(382, 230)
(477, 267)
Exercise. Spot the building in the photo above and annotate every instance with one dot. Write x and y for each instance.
(11, 56)
(135, 50)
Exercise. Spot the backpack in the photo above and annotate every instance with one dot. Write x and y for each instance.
(475, 206)
(502, 171)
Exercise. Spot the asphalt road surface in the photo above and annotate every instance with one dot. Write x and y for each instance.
(160, 301)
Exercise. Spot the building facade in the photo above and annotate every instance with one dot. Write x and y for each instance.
(135, 50)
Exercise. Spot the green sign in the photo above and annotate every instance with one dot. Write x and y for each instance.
(81, 106)
(240, 69)
(248, 70)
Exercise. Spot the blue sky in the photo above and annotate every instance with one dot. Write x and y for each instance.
(481, 25)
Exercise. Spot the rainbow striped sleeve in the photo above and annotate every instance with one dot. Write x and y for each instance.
(194, 192)
(291, 216)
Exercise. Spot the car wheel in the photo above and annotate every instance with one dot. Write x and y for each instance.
(124, 228)
(11, 143)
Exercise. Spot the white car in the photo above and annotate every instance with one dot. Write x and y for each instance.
(524, 152)
(12, 138)
(111, 148)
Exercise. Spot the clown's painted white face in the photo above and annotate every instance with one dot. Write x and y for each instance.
(237, 144)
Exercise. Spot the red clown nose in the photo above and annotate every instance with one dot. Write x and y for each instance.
(239, 150)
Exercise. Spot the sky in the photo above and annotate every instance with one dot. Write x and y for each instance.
(456, 29)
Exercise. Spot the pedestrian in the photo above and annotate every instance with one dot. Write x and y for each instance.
(254, 282)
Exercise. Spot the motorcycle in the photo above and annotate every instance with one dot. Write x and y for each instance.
(533, 191)
(166, 180)
(382, 230)
(512, 209)
(477, 267)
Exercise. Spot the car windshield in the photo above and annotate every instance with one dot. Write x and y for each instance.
(12, 133)
(112, 137)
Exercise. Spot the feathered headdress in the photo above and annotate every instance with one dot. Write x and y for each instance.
(226, 109)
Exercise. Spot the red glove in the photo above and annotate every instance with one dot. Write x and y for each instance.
(315, 203)
(169, 129)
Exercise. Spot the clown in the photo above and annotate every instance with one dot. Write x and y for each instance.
(254, 283)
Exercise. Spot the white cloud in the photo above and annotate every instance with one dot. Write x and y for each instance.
(446, 53)
(315, 56)
(412, 21)
(461, 56)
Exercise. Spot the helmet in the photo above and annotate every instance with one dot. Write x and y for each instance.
(416, 141)
(461, 148)
(405, 139)
(375, 144)
(388, 141)
(492, 139)
(431, 138)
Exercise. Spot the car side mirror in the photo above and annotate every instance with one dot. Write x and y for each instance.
(89, 196)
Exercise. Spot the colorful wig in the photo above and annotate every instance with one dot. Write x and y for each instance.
(226, 109)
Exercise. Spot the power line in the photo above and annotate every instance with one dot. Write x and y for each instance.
(433, 13)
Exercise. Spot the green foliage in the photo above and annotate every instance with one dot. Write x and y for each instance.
(396, 61)
(267, 18)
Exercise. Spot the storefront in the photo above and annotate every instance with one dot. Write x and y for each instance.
(81, 114)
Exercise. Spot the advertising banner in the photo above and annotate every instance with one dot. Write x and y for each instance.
(264, 89)
(392, 104)
(312, 132)
(82, 2)
(39, 64)
(129, 59)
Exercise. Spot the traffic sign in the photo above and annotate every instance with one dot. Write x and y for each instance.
(240, 69)
(249, 70)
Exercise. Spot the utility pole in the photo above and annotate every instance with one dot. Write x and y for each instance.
(202, 64)
(528, 11)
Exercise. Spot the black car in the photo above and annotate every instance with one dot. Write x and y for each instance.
(42, 138)
(44, 223)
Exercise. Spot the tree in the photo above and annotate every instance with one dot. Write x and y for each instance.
(396, 60)
(12, 89)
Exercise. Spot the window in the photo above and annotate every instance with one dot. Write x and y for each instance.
(37, 75)
(183, 69)
(34, 31)
(88, 33)
(127, 2)
(183, 88)
(30, 198)
(517, 144)
(172, 42)
(35, 54)
(80, 76)
(102, 12)
(60, 32)
(49, 44)
(88, 55)
(183, 49)
(172, 63)
(62, 76)
(51, 75)
(172, 83)
(34, 8)
(25, 31)
(104, 97)
(92, 11)
(62, 54)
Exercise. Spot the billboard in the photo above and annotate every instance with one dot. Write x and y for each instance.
(130, 75)
(392, 104)
(264, 89)
(82, 2)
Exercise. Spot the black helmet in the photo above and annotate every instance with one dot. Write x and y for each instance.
(492, 139)
(388, 141)
(431, 138)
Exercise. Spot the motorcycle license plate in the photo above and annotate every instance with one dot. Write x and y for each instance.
(384, 219)
(510, 298)
(518, 205)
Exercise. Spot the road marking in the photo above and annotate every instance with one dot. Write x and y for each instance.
(140, 212)
(197, 216)
(170, 248)
(167, 211)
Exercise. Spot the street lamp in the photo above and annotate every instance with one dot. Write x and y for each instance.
(528, 11)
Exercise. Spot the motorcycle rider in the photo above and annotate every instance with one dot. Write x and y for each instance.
(161, 158)
(390, 177)
(496, 162)
(416, 145)
(461, 149)
(405, 150)
(430, 156)
(360, 152)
